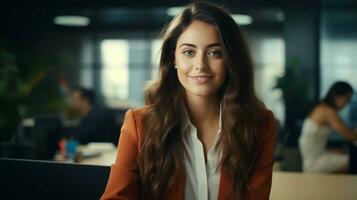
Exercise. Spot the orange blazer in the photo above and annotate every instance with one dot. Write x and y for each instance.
(124, 180)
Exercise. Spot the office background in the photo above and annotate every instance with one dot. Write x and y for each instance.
(299, 48)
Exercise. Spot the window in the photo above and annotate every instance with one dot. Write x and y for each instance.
(115, 73)
(155, 58)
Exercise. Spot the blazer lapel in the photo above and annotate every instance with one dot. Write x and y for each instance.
(177, 191)
(225, 185)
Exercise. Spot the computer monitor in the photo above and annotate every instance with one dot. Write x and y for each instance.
(30, 179)
(36, 141)
(47, 133)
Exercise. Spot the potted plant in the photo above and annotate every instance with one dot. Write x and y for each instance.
(297, 93)
(12, 90)
(33, 90)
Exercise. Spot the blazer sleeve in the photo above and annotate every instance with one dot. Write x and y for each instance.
(123, 180)
(259, 184)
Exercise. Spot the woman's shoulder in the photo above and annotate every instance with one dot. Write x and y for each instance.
(139, 111)
(321, 111)
(133, 120)
(135, 115)
(323, 107)
(266, 115)
(266, 119)
(266, 125)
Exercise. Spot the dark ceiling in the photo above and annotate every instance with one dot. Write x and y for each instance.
(119, 14)
(114, 15)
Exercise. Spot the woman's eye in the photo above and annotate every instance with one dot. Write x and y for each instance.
(215, 53)
(187, 53)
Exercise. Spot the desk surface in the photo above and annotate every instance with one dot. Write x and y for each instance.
(102, 154)
(106, 158)
(297, 186)
(286, 185)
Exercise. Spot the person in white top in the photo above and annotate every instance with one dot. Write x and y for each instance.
(203, 135)
(317, 127)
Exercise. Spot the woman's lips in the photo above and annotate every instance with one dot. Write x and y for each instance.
(200, 79)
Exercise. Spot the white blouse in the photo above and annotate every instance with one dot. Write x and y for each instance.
(202, 179)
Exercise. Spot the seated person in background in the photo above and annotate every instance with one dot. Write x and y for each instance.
(97, 123)
(317, 127)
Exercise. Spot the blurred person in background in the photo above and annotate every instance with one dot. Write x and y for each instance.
(316, 129)
(97, 122)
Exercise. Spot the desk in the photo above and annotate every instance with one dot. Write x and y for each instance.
(106, 158)
(106, 153)
(101, 154)
(286, 185)
(298, 186)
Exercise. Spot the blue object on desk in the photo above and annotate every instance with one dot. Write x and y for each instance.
(71, 148)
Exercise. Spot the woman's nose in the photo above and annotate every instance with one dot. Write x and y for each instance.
(200, 62)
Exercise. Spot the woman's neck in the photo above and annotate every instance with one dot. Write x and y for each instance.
(203, 110)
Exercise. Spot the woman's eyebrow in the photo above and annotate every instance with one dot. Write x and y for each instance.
(188, 44)
(213, 45)
(208, 46)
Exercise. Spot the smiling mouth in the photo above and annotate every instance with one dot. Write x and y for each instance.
(200, 79)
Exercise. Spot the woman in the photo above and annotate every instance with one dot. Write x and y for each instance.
(317, 127)
(204, 133)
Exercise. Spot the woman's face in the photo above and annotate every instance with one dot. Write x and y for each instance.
(343, 100)
(199, 60)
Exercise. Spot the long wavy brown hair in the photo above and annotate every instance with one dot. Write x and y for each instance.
(162, 150)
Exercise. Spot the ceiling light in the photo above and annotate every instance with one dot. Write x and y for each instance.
(71, 20)
(280, 17)
(242, 19)
(173, 11)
